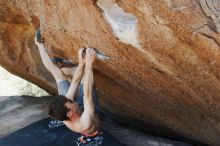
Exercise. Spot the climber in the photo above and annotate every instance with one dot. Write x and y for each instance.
(77, 107)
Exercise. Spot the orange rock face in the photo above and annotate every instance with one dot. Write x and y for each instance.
(164, 56)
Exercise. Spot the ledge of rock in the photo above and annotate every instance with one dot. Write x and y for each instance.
(163, 56)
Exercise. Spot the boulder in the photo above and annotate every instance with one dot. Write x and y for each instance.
(162, 58)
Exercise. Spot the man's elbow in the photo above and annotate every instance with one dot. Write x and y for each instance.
(86, 124)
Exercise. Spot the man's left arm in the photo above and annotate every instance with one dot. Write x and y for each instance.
(88, 114)
(76, 77)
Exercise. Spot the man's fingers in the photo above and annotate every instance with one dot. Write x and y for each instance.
(90, 51)
(80, 51)
(93, 52)
(87, 50)
(35, 40)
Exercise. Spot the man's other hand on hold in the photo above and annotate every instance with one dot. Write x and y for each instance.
(90, 56)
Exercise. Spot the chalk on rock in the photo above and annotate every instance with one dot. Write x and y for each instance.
(123, 24)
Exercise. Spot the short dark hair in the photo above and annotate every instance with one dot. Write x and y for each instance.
(57, 108)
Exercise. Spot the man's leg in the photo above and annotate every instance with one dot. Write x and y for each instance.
(68, 70)
(63, 87)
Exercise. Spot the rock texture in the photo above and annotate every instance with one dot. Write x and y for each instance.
(19, 111)
(164, 59)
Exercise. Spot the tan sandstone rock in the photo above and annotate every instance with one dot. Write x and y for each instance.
(164, 58)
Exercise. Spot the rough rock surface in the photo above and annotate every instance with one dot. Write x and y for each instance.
(164, 59)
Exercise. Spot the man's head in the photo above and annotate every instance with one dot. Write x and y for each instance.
(62, 108)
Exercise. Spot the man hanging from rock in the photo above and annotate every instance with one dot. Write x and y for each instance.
(78, 108)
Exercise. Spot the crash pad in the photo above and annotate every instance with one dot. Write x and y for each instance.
(49, 132)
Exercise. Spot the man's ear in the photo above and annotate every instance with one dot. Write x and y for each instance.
(69, 114)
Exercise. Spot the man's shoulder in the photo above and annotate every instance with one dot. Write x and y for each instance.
(69, 123)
